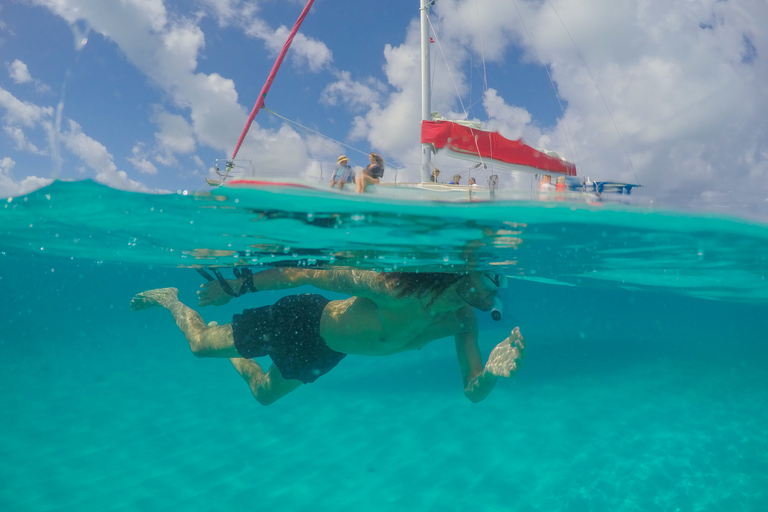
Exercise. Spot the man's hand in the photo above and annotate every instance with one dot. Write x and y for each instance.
(505, 357)
(213, 294)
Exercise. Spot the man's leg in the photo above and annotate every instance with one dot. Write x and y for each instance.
(204, 340)
(217, 341)
(266, 387)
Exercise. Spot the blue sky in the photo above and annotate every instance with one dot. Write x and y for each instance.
(145, 94)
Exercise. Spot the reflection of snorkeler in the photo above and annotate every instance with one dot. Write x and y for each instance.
(307, 335)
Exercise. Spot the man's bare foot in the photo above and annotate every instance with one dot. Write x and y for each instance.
(151, 298)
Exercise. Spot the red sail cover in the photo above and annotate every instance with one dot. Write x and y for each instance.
(474, 142)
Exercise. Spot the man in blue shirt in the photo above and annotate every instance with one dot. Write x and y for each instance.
(343, 173)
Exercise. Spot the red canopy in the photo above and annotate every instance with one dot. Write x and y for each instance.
(491, 145)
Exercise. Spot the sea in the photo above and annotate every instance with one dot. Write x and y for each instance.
(644, 384)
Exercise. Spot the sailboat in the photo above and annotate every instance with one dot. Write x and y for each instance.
(460, 139)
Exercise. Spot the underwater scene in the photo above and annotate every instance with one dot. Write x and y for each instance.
(643, 385)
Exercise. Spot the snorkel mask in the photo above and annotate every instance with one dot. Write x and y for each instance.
(466, 291)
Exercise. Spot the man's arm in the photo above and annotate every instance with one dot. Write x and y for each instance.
(477, 382)
(502, 362)
(361, 283)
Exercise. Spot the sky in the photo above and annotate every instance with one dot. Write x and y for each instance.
(145, 95)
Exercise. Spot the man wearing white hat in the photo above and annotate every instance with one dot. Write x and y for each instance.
(343, 173)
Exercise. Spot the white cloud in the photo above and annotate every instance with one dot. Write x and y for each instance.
(229, 11)
(19, 72)
(22, 143)
(6, 166)
(9, 187)
(90, 151)
(356, 95)
(22, 112)
(304, 50)
(684, 97)
(175, 135)
(510, 121)
(140, 161)
(275, 152)
(96, 156)
(165, 51)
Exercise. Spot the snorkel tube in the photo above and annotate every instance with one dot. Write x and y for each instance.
(498, 307)
(467, 291)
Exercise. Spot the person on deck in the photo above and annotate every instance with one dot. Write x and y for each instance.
(372, 174)
(435, 174)
(456, 179)
(472, 181)
(343, 173)
(545, 185)
(307, 335)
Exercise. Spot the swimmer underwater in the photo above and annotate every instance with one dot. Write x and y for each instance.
(307, 335)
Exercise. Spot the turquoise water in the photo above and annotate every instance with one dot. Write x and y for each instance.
(643, 388)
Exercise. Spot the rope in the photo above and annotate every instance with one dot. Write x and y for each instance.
(450, 74)
(458, 95)
(566, 127)
(618, 132)
(482, 49)
(397, 165)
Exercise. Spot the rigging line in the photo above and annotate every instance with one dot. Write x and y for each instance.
(610, 114)
(472, 131)
(450, 74)
(566, 128)
(313, 131)
(322, 135)
(471, 80)
(482, 49)
(461, 102)
(485, 77)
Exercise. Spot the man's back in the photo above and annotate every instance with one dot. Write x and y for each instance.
(361, 326)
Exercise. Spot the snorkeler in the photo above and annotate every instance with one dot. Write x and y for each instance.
(307, 335)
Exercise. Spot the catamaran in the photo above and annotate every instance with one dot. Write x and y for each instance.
(460, 139)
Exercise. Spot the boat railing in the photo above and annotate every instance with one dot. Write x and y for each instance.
(226, 169)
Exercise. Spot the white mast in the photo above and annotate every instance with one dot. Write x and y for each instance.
(426, 88)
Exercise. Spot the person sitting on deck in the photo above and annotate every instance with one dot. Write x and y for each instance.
(472, 181)
(545, 185)
(435, 174)
(456, 179)
(372, 174)
(307, 335)
(343, 173)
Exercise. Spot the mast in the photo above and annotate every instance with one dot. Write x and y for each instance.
(263, 94)
(426, 88)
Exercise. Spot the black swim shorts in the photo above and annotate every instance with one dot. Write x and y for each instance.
(289, 333)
